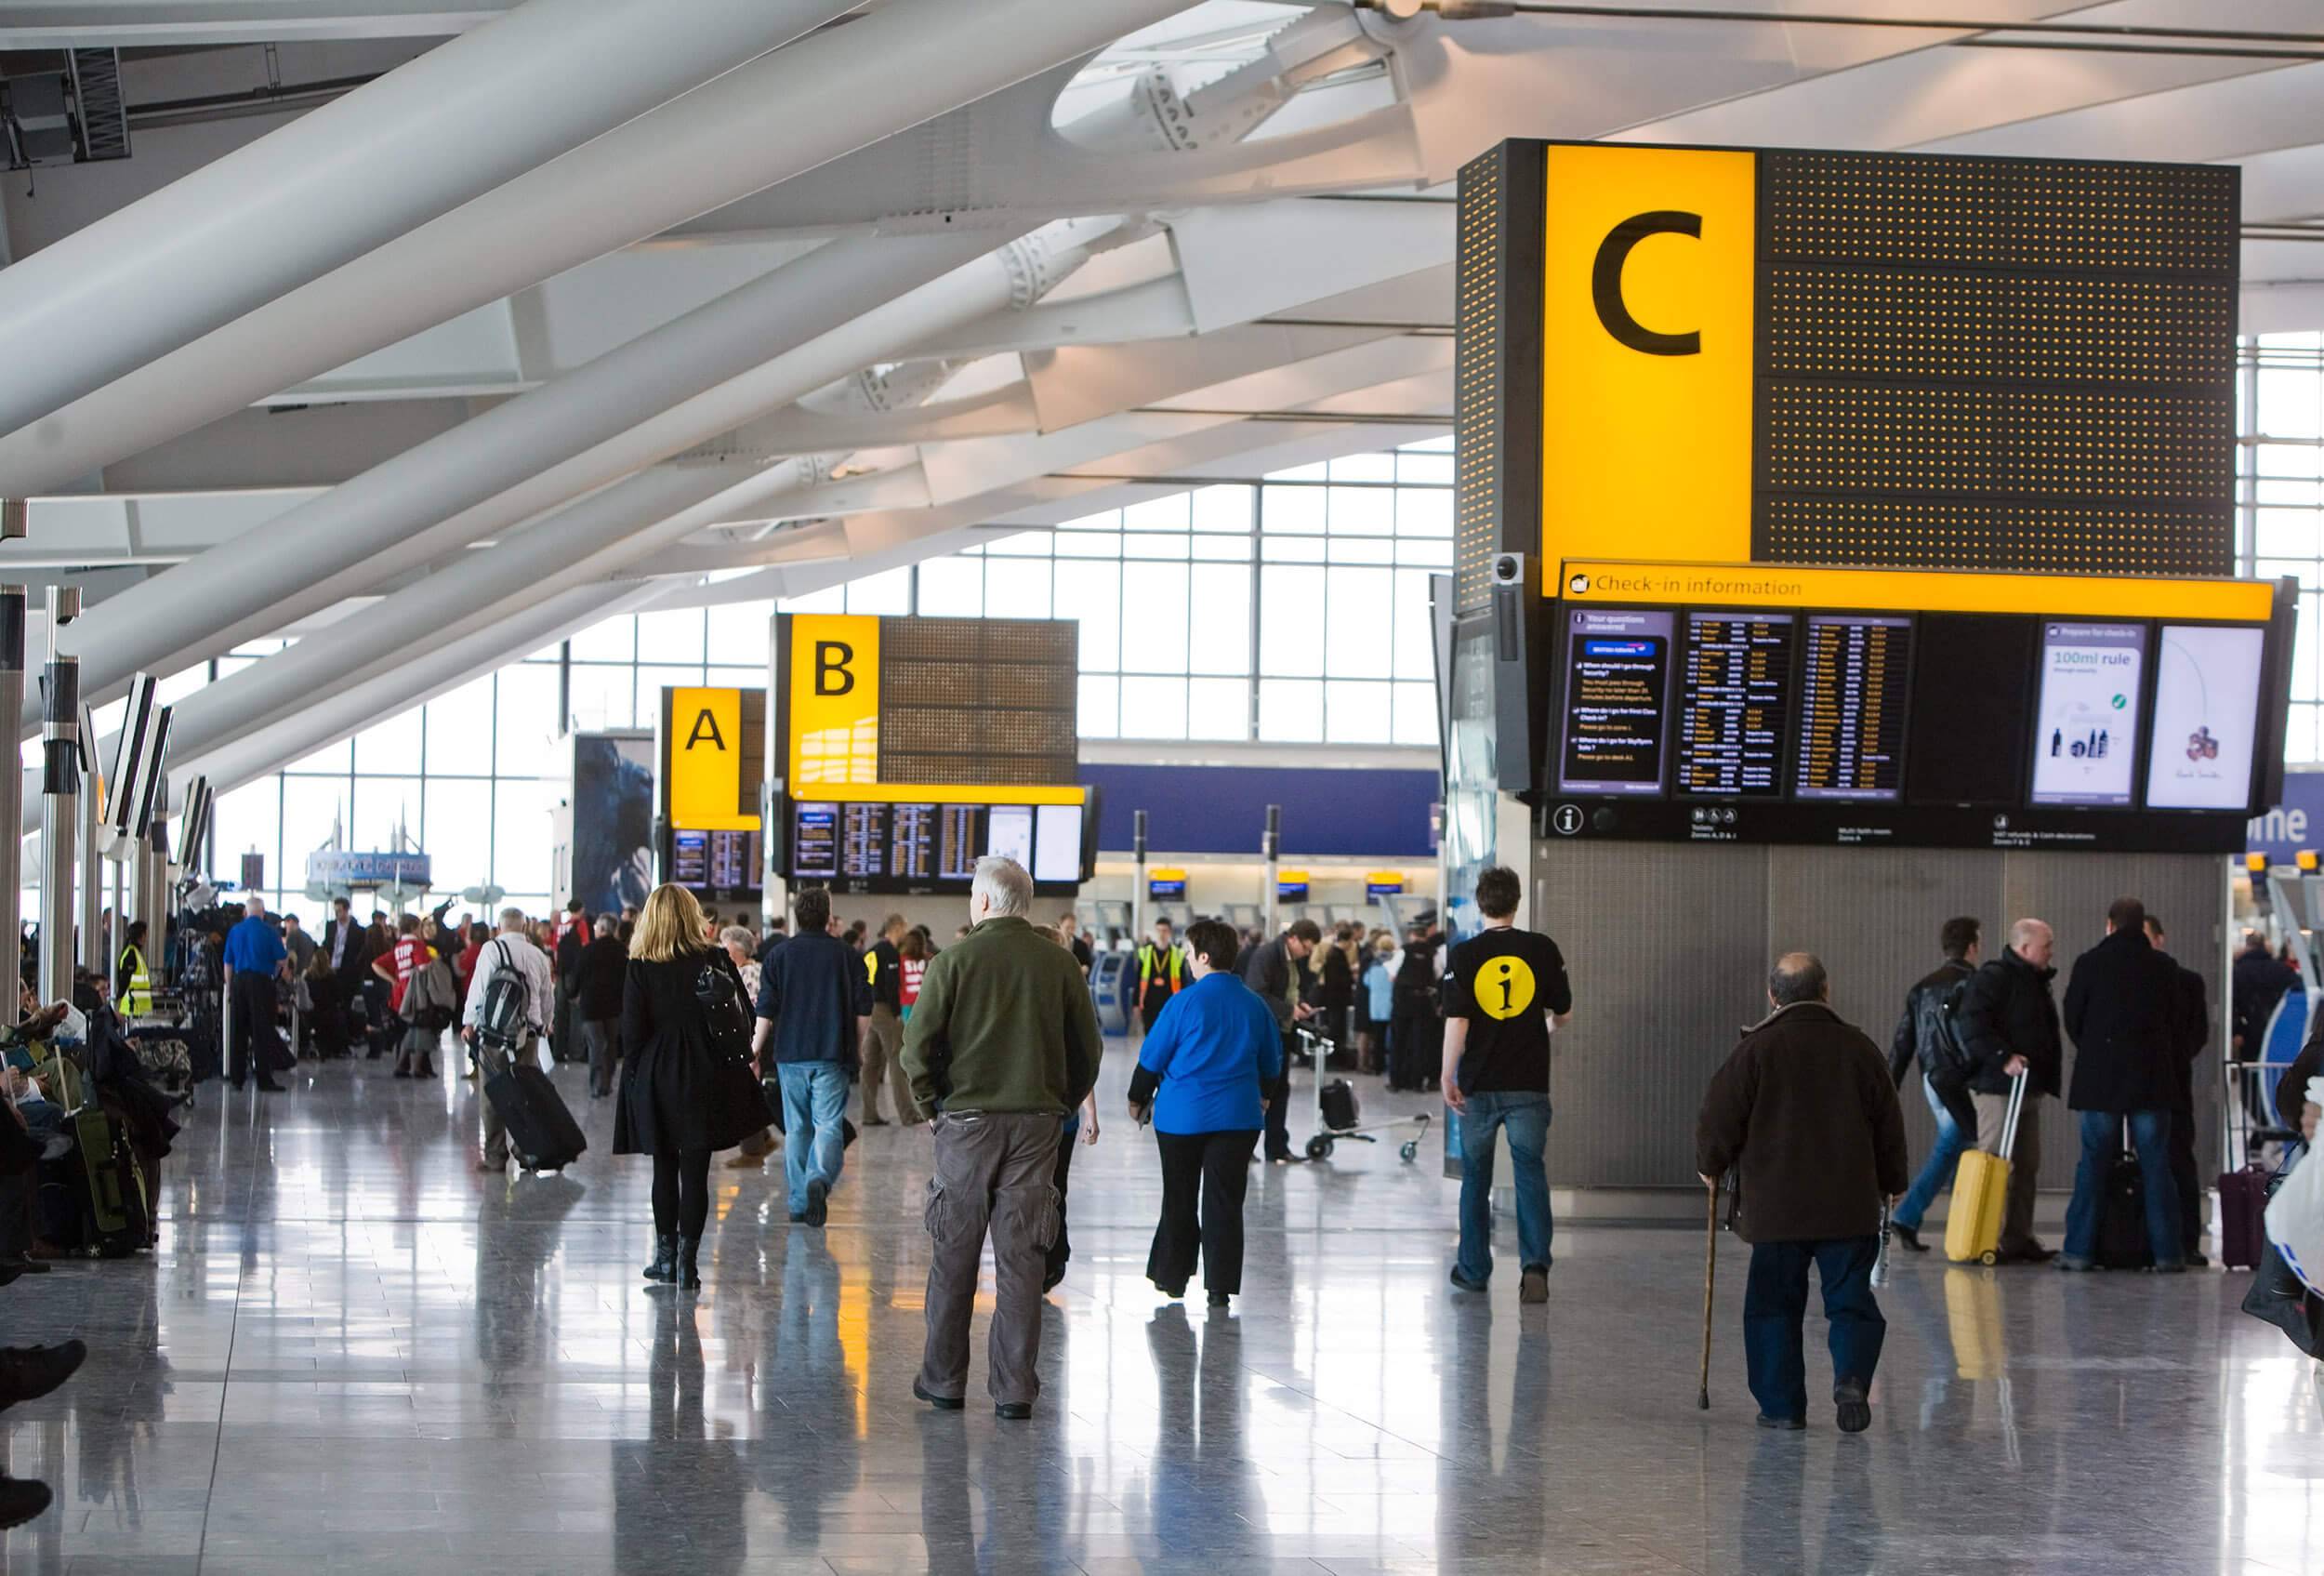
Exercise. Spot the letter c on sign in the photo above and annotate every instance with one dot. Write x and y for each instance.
(1606, 282)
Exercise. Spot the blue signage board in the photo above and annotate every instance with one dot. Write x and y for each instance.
(341, 867)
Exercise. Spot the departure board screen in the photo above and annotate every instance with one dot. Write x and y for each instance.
(1618, 686)
(1735, 704)
(690, 859)
(814, 842)
(908, 846)
(734, 861)
(1855, 677)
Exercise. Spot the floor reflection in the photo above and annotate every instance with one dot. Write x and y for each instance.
(352, 1353)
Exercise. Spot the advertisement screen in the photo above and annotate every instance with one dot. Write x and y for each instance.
(1618, 685)
(1009, 832)
(1056, 843)
(2206, 703)
(2086, 726)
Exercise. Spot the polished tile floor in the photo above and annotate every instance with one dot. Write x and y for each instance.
(353, 1352)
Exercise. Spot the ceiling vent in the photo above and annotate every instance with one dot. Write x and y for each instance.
(60, 107)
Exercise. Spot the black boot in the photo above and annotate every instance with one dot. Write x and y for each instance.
(21, 1500)
(689, 1275)
(29, 1372)
(664, 1264)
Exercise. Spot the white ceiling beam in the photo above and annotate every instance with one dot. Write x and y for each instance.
(126, 24)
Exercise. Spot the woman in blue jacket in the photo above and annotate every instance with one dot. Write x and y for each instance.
(1200, 1072)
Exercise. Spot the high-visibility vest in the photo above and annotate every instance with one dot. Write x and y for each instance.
(1149, 957)
(138, 997)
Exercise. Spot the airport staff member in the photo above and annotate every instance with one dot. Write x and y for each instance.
(1804, 1114)
(1161, 967)
(255, 959)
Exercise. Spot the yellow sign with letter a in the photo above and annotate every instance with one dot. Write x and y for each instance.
(706, 761)
(1646, 347)
(834, 709)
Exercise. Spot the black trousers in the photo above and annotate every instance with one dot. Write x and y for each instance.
(1060, 1251)
(1278, 1108)
(682, 1192)
(254, 1028)
(2185, 1183)
(1202, 1178)
(1416, 1048)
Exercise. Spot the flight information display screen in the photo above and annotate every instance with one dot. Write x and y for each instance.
(913, 846)
(1735, 704)
(727, 862)
(1618, 686)
(1855, 673)
(1933, 729)
(2086, 723)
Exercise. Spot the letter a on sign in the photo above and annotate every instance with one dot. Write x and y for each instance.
(706, 728)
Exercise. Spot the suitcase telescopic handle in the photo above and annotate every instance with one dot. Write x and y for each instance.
(2016, 1108)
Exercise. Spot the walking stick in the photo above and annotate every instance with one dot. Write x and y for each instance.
(1710, 1274)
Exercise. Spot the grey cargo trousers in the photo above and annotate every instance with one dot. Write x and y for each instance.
(993, 1170)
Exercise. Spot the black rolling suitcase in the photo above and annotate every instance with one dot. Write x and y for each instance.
(542, 1132)
(1340, 1110)
(2122, 1213)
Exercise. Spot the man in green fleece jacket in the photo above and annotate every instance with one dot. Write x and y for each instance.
(1003, 1042)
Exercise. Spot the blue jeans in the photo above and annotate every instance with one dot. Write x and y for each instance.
(1937, 1174)
(1526, 1117)
(1774, 1301)
(2102, 1143)
(814, 1103)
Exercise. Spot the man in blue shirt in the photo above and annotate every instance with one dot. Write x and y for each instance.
(813, 997)
(254, 957)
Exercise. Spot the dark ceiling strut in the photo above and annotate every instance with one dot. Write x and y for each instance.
(266, 95)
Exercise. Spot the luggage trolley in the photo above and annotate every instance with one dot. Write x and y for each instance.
(1335, 1120)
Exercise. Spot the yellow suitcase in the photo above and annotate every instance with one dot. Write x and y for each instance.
(1973, 1223)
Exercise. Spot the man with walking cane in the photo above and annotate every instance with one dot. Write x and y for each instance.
(1806, 1116)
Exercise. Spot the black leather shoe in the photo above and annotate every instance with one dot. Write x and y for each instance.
(1012, 1411)
(1854, 1411)
(1908, 1235)
(270, 1086)
(1788, 1424)
(942, 1403)
(29, 1372)
(1218, 1299)
(2037, 1254)
(2196, 1261)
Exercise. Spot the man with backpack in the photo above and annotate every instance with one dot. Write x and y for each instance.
(506, 1010)
(1416, 1034)
(1930, 1033)
(2009, 1024)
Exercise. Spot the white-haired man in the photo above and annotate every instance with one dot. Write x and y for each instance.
(1003, 1044)
(511, 951)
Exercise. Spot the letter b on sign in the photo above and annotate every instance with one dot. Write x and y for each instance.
(832, 673)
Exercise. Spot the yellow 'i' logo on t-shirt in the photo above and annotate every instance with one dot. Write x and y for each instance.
(1504, 986)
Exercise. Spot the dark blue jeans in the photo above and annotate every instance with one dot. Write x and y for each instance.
(1526, 1117)
(2102, 1144)
(1944, 1157)
(1774, 1301)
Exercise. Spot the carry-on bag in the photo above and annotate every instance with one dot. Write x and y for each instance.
(1972, 1226)
(2243, 1205)
(2123, 1212)
(1338, 1105)
(541, 1130)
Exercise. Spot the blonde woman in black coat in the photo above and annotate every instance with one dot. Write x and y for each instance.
(687, 1089)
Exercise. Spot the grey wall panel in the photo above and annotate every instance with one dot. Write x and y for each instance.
(1873, 916)
(1670, 948)
(1665, 944)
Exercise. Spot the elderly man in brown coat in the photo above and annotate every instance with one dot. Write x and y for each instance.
(1803, 1114)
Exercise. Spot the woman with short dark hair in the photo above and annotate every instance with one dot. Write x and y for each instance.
(1202, 1072)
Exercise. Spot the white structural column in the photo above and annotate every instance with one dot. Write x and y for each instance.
(903, 63)
(620, 525)
(336, 183)
(438, 669)
(399, 514)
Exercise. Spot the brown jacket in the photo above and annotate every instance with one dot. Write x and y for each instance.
(1804, 1114)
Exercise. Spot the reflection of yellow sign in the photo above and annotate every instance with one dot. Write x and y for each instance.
(1615, 583)
(705, 760)
(1646, 352)
(1503, 987)
(834, 715)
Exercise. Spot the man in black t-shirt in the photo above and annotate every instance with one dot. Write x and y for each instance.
(1501, 991)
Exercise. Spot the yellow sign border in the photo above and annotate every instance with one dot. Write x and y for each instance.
(1615, 582)
(935, 793)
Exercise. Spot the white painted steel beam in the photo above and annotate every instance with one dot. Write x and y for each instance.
(788, 111)
(138, 24)
(353, 175)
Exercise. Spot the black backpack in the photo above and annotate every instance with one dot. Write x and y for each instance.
(1937, 1035)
